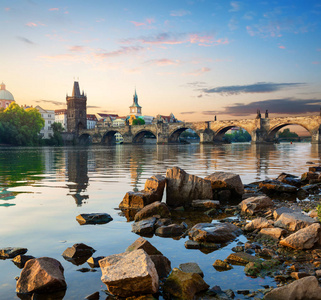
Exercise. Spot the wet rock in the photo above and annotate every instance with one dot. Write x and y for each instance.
(271, 187)
(162, 222)
(129, 273)
(153, 191)
(11, 252)
(293, 221)
(304, 238)
(221, 265)
(253, 205)
(191, 268)
(93, 262)
(141, 243)
(144, 227)
(227, 181)
(307, 176)
(156, 208)
(205, 204)
(20, 260)
(253, 268)
(78, 253)
(192, 245)
(289, 179)
(171, 230)
(214, 233)
(273, 232)
(162, 265)
(258, 223)
(96, 218)
(299, 275)
(41, 275)
(279, 211)
(306, 288)
(242, 258)
(183, 188)
(93, 296)
(313, 213)
(184, 285)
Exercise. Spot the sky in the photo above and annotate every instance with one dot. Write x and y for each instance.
(194, 58)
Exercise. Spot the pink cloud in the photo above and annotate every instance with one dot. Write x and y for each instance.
(282, 47)
(31, 24)
(316, 62)
(164, 62)
(137, 24)
(7, 8)
(199, 72)
(121, 51)
(76, 48)
(206, 40)
(150, 21)
(53, 9)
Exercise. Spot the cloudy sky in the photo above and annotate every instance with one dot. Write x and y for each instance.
(194, 58)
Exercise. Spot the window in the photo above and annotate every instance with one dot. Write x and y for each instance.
(49, 116)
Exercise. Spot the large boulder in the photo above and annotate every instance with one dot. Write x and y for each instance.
(153, 191)
(306, 288)
(253, 205)
(304, 238)
(184, 285)
(226, 181)
(289, 179)
(183, 188)
(95, 218)
(214, 233)
(258, 223)
(157, 208)
(41, 275)
(293, 221)
(130, 273)
(242, 258)
(171, 230)
(78, 253)
(273, 232)
(205, 204)
(141, 243)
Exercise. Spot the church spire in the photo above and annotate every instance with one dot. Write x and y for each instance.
(76, 90)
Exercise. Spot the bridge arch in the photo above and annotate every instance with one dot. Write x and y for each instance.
(271, 135)
(139, 137)
(111, 137)
(173, 136)
(85, 139)
(220, 133)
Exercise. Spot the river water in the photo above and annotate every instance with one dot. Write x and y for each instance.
(42, 190)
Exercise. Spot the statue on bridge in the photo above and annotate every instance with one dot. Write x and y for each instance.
(266, 114)
(258, 114)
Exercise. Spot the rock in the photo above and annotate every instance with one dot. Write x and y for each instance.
(141, 243)
(304, 238)
(157, 208)
(191, 268)
(170, 230)
(184, 285)
(242, 258)
(289, 179)
(313, 213)
(162, 265)
(252, 268)
(129, 273)
(162, 222)
(183, 188)
(153, 191)
(258, 223)
(205, 204)
(20, 260)
(226, 181)
(94, 296)
(93, 262)
(306, 177)
(299, 275)
(192, 245)
(253, 205)
(293, 221)
(271, 187)
(221, 265)
(96, 218)
(214, 233)
(306, 288)
(144, 227)
(273, 232)
(279, 211)
(41, 275)
(78, 253)
(11, 252)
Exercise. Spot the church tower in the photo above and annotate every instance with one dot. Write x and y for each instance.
(135, 108)
(76, 110)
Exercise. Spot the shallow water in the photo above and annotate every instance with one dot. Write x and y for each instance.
(42, 190)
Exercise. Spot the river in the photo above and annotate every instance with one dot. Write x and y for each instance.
(42, 190)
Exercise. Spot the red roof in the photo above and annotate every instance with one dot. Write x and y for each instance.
(60, 111)
(91, 117)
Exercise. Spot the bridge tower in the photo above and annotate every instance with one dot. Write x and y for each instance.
(135, 108)
(76, 110)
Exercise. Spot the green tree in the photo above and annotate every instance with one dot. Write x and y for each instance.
(19, 126)
(138, 121)
(239, 136)
(287, 134)
(56, 139)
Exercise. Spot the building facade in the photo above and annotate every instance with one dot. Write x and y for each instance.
(76, 110)
(6, 98)
(61, 117)
(49, 116)
(91, 121)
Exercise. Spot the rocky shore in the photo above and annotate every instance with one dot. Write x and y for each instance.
(279, 219)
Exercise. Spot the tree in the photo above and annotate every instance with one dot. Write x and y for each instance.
(239, 136)
(138, 121)
(19, 126)
(287, 134)
(56, 139)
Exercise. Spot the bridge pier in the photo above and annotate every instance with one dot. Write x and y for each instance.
(206, 137)
(316, 136)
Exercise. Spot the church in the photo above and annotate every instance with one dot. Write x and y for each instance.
(6, 98)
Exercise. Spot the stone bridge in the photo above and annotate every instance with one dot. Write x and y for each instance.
(262, 130)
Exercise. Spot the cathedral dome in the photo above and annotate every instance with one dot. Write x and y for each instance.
(4, 94)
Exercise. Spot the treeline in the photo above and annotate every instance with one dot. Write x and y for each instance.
(21, 127)
(239, 136)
